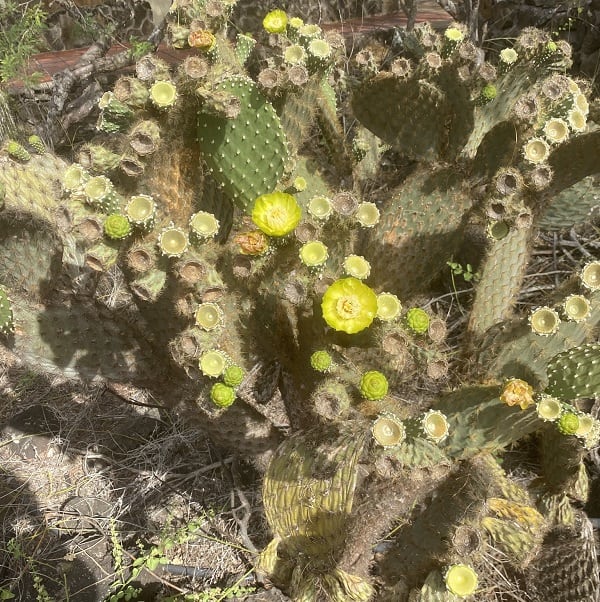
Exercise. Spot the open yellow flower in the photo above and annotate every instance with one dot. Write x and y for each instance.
(276, 213)
(276, 21)
(349, 305)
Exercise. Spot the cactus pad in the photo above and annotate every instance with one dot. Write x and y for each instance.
(575, 373)
(246, 154)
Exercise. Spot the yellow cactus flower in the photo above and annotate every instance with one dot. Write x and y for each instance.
(276, 213)
(275, 21)
(349, 305)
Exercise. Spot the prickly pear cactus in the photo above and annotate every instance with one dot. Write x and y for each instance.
(261, 239)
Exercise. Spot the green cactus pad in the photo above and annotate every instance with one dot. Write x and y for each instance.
(515, 351)
(419, 453)
(571, 206)
(480, 421)
(575, 373)
(376, 106)
(6, 313)
(309, 489)
(80, 341)
(247, 154)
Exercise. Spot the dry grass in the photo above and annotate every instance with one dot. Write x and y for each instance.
(91, 462)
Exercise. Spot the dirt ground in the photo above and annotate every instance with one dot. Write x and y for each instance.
(92, 481)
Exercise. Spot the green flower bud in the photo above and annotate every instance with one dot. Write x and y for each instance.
(568, 423)
(417, 320)
(373, 385)
(117, 226)
(321, 361)
(222, 395)
(233, 376)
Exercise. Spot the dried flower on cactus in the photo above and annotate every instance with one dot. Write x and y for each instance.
(517, 392)
(487, 72)
(536, 150)
(276, 213)
(202, 39)
(540, 177)
(254, 242)
(401, 67)
(527, 107)
(349, 305)
(508, 181)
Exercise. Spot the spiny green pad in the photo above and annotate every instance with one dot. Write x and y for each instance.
(376, 107)
(571, 206)
(418, 452)
(309, 488)
(480, 421)
(575, 373)
(17, 151)
(247, 154)
(6, 313)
